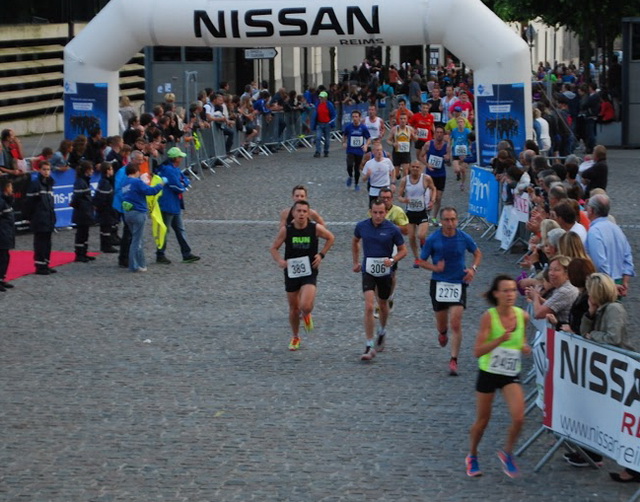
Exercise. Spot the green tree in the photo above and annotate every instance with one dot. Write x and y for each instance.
(597, 23)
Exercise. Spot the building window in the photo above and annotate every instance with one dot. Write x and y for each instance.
(163, 53)
(198, 54)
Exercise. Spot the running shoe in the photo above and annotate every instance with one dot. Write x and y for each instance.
(391, 304)
(453, 367)
(357, 188)
(434, 222)
(508, 465)
(190, 259)
(376, 312)
(380, 341)
(416, 264)
(473, 467)
(443, 339)
(294, 344)
(163, 260)
(308, 323)
(349, 181)
(369, 353)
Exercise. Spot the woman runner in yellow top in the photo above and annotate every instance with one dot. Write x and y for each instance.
(499, 345)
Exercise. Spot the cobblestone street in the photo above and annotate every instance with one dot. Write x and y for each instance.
(177, 384)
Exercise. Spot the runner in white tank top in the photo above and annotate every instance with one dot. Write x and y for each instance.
(418, 192)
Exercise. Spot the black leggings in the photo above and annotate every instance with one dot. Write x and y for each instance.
(353, 166)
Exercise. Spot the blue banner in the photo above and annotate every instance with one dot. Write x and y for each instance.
(500, 112)
(363, 108)
(484, 195)
(62, 192)
(85, 108)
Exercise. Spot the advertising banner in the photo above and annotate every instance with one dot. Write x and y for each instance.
(85, 108)
(507, 226)
(62, 192)
(592, 397)
(484, 195)
(500, 114)
(521, 206)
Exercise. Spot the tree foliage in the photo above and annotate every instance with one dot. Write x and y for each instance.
(592, 19)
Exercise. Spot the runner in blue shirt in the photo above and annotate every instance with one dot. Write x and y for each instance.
(356, 138)
(448, 289)
(378, 237)
(459, 149)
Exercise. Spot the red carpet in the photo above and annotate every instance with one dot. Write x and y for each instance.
(21, 262)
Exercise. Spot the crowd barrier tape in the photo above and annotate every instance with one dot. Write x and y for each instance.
(592, 396)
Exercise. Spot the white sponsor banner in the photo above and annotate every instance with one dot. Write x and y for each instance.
(521, 206)
(507, 227)
(592, 396)
(539, 353)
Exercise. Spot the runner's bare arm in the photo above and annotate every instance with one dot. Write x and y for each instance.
(275, 247)
(482, 346)
(316, 217)
(355, 254)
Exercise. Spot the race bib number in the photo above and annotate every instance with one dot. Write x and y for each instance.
(460, 150)
(436, 116)
(423, 133)
(448, 292)
(505, 361)
(356, 141)
(298, 267)
(376, 267)
(374, 191)
(404, 146)
(415, 204)
(436, 161)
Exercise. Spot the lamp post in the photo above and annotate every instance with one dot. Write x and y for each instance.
(530, 33)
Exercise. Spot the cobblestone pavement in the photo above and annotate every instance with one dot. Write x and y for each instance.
(177, 384)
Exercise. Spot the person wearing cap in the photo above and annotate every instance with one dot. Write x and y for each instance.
(172, 204)
(322, 122)
(452, 124)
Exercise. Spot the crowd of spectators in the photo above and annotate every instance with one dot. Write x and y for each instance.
(578, 264)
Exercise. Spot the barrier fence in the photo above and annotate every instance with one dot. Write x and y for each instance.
(589, 394)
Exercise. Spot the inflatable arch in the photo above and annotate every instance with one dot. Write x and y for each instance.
(466, 27)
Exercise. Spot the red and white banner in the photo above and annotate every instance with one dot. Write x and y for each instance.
(592, 396)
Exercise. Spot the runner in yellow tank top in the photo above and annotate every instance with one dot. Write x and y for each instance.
(499, 345)
(400, 137)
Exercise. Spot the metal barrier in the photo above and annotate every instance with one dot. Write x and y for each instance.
(196, 154)
(206, 148)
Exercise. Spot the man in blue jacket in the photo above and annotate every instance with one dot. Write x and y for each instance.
(172, 204)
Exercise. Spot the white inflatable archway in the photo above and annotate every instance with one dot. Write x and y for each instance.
(465, 27)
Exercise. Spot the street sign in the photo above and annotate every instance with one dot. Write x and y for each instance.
(264, 53)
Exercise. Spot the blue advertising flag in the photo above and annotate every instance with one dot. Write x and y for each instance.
(500, 113)
(484, 195)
